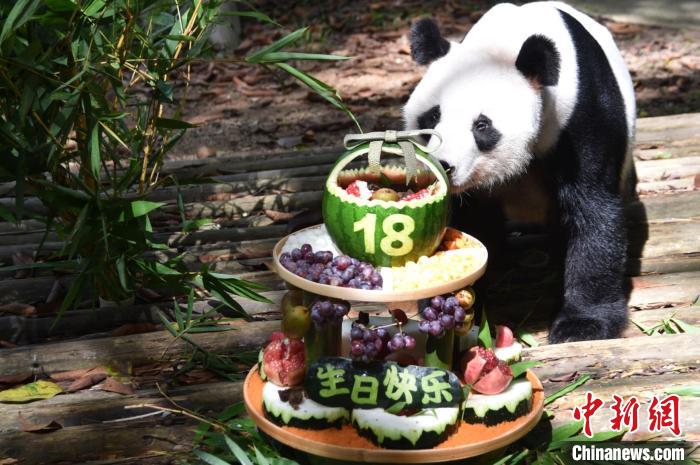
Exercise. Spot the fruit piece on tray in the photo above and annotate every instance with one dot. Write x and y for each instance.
(441, 315)
(324, 268)
(290, 407)
(508, 405)
(507, 348)
(441, 268)
(423, 429)
(380, 217)
(284, 360)
(296, 317)
(485, 372)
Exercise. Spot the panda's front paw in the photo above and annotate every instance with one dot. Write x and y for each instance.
(579, 322)
(576, 329)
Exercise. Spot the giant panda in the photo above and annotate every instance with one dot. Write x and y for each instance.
(536, 103)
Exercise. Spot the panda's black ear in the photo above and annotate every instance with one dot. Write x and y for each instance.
(427, 45)
(539, 60)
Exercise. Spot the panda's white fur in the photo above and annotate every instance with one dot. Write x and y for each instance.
(539, 89)
(478, 76)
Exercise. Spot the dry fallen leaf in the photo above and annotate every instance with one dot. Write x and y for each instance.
(18, 309)
(30, 427)
(15, 379)
(112, 385)
(76, 374)
(86, 381)
(564, 378)
(133, 328)
(275, 215)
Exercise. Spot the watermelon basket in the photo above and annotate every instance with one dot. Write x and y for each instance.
(365, 215)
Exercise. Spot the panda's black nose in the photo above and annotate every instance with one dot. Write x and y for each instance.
(446, 166)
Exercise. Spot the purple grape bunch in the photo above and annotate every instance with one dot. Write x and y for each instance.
(441, 315)
(373, 343)
(328, 311)
(323, 268)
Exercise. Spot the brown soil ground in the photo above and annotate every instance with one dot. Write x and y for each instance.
(245, 108)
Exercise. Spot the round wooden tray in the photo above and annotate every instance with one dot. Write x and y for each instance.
(347, 293)
(346, 444)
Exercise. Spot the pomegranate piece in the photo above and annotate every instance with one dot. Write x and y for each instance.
(359, 189)
(421, 194)
(504, 336)
(495, 381)
(484, 372)
(284, 360)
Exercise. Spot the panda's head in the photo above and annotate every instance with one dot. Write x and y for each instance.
(486, 104)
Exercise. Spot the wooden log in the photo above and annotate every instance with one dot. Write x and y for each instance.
(668, 185)
(673, 238)
(658, 170)
(230, 165)
(221, 235)
(251, 186)
(136, 349)
(666, 289)
(667, 129)
(681, 205)
(600, 358)
(676, 149)
(92, 406)
(82, 444)
(246, 205)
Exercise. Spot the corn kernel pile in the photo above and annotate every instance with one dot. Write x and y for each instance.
(441, 268)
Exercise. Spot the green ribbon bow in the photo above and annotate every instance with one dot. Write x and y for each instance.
(406, 141)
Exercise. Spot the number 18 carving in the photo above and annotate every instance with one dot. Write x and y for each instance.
(395, 242)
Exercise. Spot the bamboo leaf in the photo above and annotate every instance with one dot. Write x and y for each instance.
(565, 431)
(527, 338)
(685, 327)
(94, 148)
(237, 451)
(567, 389)
(209, 458)
(169, 123)
(261, 459)
(21, 12)
(274, 57)
(521, 367)
(252, 14)
(277, 45)
(693, 390)
(143, 207)
(484, 335)
(321, 88)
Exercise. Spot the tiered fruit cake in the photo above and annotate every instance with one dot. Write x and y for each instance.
(390, 395)
(395, 382)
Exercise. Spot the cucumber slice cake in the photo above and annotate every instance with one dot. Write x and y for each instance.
(509, 354)
(423, 430)
(493, 409)
(305, 413)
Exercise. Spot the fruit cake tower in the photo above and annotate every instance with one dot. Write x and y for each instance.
(392, 380)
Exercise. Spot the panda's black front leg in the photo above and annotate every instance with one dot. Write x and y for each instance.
(594, 303)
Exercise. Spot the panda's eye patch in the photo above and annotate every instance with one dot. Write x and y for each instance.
(485, 135)
(430, 118)
(481, 124)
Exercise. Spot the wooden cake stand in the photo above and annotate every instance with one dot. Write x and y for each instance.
(346, 444)
(351, 294)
